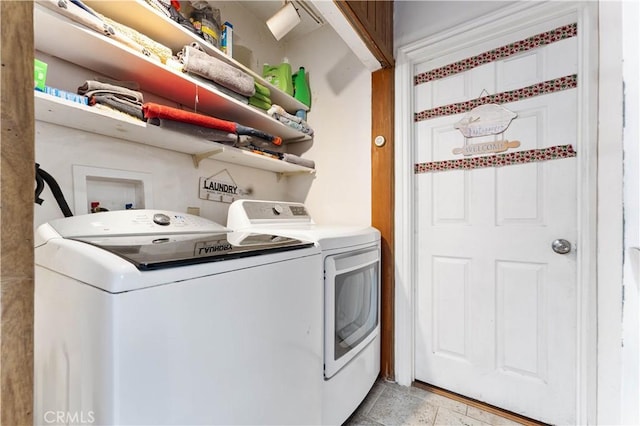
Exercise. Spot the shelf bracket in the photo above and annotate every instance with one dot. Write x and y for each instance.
(280, 175)
(197, 158)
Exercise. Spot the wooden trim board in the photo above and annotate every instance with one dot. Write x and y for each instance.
(17, 180)
(382, 202)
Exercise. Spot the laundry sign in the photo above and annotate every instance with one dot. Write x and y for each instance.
(221, 187)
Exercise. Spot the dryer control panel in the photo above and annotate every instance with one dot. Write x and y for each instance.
(243, 213)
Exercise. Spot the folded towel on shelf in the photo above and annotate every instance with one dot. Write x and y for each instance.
(277, 109)
(277, 112)
(153, 110)
(302, 127)
(113, 111)
(94, 87)
(79, 15)
(160, 50)
(195, 130)
(133, 108)
(175, 64)
(262, 98)
(304, 162)
(198, 62)
(256, 102)
(219, 88)
(262, 90)
(90, 19)
(130, 84)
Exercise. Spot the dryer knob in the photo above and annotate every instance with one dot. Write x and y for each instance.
(277, 209)
(161, 219)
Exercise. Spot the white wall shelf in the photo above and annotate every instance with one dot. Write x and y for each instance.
(145, 19)
(66, 113)
(60, 37)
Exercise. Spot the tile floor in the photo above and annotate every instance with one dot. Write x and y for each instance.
(391, 404)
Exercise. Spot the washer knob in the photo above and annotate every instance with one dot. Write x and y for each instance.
(161, 219)
(278, 210)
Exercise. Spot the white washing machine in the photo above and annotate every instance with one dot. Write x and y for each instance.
(149, 317)
(351, 283)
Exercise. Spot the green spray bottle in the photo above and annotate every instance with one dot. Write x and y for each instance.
(301, 87)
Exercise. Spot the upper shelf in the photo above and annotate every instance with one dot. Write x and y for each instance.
(142, 17)
(66, 113)
(58, 36)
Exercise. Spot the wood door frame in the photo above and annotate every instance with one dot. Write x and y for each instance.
(382, 202)
(17, 179)
(502, 22)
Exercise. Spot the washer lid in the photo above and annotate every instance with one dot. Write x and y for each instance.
(152, 239)
(148, 252)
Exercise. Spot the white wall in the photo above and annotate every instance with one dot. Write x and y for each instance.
(253, 43)
(340, 115)
(610, 215)
(175, 180)
(631, 308)
(414, 20)
(340, 192)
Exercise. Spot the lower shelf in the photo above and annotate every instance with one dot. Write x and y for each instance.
(70, 114)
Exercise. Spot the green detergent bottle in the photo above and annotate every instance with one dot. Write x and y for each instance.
(279, 76)
(301, 87)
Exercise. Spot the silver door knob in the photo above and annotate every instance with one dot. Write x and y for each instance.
(561, 246)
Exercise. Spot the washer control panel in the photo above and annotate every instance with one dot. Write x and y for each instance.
(133, 222)
(161, 219)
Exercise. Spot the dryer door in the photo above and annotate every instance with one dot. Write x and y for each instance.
(352, 295)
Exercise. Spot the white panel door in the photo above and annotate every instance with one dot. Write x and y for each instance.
(495, 305)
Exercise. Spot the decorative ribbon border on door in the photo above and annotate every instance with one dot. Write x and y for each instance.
(543, 88)
(498, 160)
(503, 52)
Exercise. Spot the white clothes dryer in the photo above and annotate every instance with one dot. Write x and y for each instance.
(351, 285)
(152, 317)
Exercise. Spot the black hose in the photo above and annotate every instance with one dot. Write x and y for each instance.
(55, 189)
(39, 185)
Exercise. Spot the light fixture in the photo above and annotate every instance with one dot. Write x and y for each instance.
(284, 20)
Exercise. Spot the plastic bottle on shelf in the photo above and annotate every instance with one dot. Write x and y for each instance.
(279, 76)
(227, 38)
(301, 87)
(301, 114)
